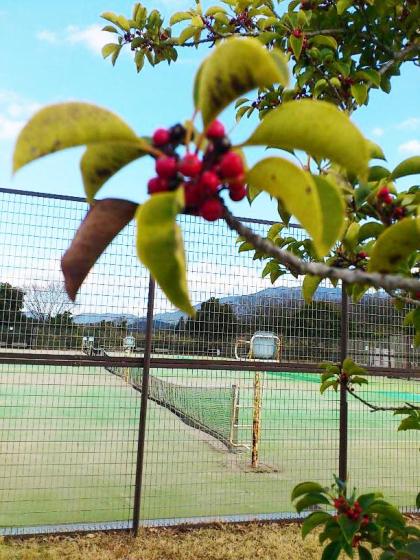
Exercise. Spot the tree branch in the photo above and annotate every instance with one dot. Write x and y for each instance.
(400, 56)
(375, 408)
(388, 282)
(405, 299)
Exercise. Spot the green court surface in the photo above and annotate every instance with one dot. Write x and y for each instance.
(68, 442)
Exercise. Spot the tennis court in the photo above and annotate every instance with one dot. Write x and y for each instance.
(69, 439)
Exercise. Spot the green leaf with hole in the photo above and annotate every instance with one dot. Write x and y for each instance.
(304, 488)
(309, 287)
(297, 192)
(410, 166)
(101, 161)
(235, 67)
(395, 245)
(160, 247)
(332, 208)
(318, 128)
(67, 125)
(314, 520)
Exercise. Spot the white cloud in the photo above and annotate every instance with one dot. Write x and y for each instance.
(412, 123)
(410, 147)
(92, 37)
(378, 132)
(14, 112)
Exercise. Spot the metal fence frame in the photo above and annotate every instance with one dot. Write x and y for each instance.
(150, 362)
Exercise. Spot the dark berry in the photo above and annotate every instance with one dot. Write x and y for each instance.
(222, 145)
(192, 195)
(190, 165)
(399, 212)
(212, 209)
(238, 193)
(161, 137)
(177, 133)
(209, 182)
(231, 165)
(166, 167)
(297, 33)
(215, 130)
(156, 185)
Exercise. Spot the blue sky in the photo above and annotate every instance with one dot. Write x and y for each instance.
(51, 52)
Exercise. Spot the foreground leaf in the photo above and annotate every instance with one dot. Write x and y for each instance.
(410, 166)
(332, 551)
(297, 192)
(319, 129)
(67, 125)
(304, 488)
(160, 247)
(332, 209)
(102, 223)
(101, 161)
(309, 287)
(313, 520)
(394, 245)
(234, 68)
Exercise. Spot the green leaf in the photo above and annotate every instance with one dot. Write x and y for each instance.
(108, 49)
(66, 125)
(160, 247)
(332, 209)
(378, 172)
(319, 129)
(311, 499)
(359, 380)
(364, 553)
(359, 92)
(348, 527)
(342, 6)
(186, 34)
(120, 21)
(410, 166)
(384, 508)
(326, 385)
(409, 423)
(332, 551)
(309, 287)
(352, 236)
(235, 67)
(305, 488)
(324, 41)
(313, 520)
(296, 45)
(375, 151)
(139, 60)
(179, 16)
(366, 499)
(348, 364)
(297, 192)
(101, 161)
(394, 245)
(370, 229)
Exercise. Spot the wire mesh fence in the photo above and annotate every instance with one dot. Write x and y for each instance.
(230, 430)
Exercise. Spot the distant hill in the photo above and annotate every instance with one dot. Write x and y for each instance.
(241, 305)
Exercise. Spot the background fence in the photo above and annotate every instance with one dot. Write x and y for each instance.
(76, 448)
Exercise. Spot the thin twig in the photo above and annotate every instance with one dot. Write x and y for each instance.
(388, 282)
(375, 408)
(405, 299)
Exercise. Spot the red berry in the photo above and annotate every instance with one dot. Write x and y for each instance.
(384, 194)
(399, 212)
(238, 193)
(297, 33)
(156, 185)
(192, 195)
(215, 130)
(161, 137)
(209, 182)
(166, 167)
(212, 209)
(362, 255)
(231, 165)
(416, 295)
(190, 165)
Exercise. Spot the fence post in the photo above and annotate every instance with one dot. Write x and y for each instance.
(344, 346)
(143, 409)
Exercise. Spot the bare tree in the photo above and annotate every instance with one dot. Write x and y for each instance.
(44, 302)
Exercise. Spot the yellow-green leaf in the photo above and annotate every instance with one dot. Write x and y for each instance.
(324, 41)
(160, 247)
(101, 161)
(332, 208)
(410, 166)
(108, 49)
(297, 192)
(319, 129)
(351, 238)
(66, 125)
(309, 287)
(186, 34)
(296, 45)
(394, 245)
(235, 67)
(375, 151)
(359, 92)
(179, 16)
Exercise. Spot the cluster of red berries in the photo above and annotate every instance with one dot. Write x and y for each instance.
(203, 179)
(342, 506)
(385, 197)
(298, 33)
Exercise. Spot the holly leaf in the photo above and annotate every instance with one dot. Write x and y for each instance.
(160, 247)
(103, 222)
(67, 125)
(297, 192)
(318, 128)
(410, 166)
(235, 67)
(101, 161)
(394, 245)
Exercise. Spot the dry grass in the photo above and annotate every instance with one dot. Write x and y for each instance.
(240, 542)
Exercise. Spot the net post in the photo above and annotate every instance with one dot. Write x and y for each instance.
(234, 417)
(256, 420)
(344, 340)
(143, 409)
